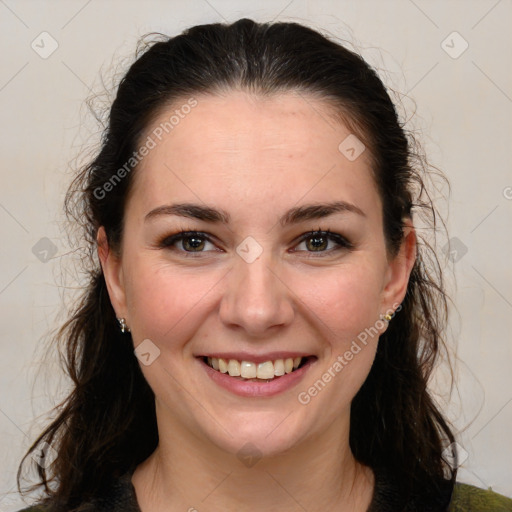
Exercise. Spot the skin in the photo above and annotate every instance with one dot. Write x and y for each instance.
(255, 158)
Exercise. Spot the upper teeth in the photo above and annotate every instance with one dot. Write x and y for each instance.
(250, 370)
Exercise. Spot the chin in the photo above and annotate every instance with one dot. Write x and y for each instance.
(258, 438)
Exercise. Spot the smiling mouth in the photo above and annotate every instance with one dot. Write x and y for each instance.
(266, 371)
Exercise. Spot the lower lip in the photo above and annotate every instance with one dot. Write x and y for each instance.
(257, 389)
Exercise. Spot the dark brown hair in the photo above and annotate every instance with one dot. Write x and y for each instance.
(107, 424)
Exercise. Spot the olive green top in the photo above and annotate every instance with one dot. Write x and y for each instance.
(465, 498)
(470, 498)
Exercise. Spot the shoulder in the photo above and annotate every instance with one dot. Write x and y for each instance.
(467, 497)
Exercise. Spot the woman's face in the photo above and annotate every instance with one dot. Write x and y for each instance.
(254, 285)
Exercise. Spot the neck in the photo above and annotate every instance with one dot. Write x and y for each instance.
(193, 475)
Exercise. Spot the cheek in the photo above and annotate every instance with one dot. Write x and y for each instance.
(346, 299)
(164, 301)
(345, 303)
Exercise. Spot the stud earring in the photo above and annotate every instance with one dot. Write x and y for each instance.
(386, 317)
(122, 325)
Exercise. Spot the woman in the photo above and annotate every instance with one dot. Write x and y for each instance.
(262, 319)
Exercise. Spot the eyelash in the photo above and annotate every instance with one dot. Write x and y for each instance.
(342, 242)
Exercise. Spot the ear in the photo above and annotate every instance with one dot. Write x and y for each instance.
(398, 271)
(112, 270)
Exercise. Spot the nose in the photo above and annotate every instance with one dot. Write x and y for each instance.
(256, 297)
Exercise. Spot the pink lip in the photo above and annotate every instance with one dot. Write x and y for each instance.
(257, 389)
(255, 358)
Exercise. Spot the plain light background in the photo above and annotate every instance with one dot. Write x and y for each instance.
(463, 118)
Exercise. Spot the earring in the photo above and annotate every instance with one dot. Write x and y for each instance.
(386, 317)
(122, 325)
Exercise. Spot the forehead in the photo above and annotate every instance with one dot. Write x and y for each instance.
(253, 149)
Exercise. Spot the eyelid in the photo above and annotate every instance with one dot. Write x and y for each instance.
(168, 241)
(341, 241)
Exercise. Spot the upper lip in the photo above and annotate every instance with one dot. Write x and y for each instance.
(256, 358)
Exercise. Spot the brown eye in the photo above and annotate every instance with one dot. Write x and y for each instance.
(318, 241)
(191, 242)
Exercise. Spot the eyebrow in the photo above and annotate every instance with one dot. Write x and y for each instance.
(293, 216)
